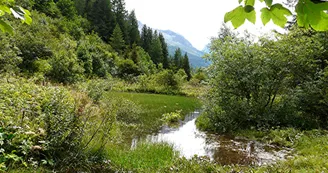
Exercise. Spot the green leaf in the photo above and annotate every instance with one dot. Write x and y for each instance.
(278, 14)
(6, 27)
(239, 1)
(268, 2)
(313, 15)
(236, 16)
(265, 15)
(249, 2)
(5, 9)
(251, 16)
(248, 8)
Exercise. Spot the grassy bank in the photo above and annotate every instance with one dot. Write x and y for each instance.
(153, 106)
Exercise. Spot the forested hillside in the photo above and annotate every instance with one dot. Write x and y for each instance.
(71, 40)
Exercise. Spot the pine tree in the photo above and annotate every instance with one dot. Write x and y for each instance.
(156, 52)
(121, 17)
(67, 8)
(143, 37)
(165, 52)
(117, 41)
(146, 38)
(177, 58)
(186, 66)
(102, 18)
(134, 33)
(81, 6)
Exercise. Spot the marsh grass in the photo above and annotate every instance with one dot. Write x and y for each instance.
(155, 105)
(145, 157)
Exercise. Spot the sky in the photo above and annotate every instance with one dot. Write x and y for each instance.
(196, 20)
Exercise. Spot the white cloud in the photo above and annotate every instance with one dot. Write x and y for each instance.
(196, 20)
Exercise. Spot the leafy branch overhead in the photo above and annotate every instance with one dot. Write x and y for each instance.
(8, 7)
(309, 13)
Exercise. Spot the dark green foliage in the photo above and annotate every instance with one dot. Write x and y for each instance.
(134, 56)
(166, 78)
(65, 65)
(81, 6)
(134, 34)
(267, 84)
(95, 56)
(146, 38)
(102, 18)
(165, 51)
(156, 51)
(46, 6)
(127, 68)
(117, 40)
(120, 13)
(9, 56)
(67, 8)
(186, 66)
(177, 59)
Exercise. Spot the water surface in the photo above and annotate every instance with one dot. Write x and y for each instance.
(189, 141)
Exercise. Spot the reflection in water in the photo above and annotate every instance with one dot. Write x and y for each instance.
(223, 149)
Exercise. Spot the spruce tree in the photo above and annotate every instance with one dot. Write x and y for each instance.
(143, 37)
(156, 52)
(117, 41)
(146, 38)
(165, 52)
(186, 66)
(121, 14)
(134, 33)
(81, 6)
(177, 58)
(102, 18)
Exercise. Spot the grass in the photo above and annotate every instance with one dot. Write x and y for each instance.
(146, 157)
(155, 105)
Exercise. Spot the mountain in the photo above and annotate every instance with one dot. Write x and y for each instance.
(175, 40)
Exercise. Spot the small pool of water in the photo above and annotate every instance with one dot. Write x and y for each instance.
(189, 141)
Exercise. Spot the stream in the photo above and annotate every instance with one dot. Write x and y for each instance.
(189, 141)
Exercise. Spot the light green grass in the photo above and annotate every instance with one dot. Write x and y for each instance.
(155, 105)
(146, 157)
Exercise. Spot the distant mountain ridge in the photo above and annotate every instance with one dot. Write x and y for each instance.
(175, 40)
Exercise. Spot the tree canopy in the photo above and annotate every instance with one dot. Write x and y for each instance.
(309, 13)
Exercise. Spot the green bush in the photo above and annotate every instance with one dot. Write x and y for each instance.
(172, 117)
(267, 84)
(51, 126)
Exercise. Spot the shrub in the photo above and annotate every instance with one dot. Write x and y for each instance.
(266, 84)
(51, 126)
(172, 117)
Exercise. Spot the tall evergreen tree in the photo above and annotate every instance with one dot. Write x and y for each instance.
(121, 17)
(133, 29)
(67, 8)
(81, 6)
(102, 18)
(117, 41)
(143, 37)
(186, 66)
(146, 38)
(177, 58)
(165, 52)
(156, 52)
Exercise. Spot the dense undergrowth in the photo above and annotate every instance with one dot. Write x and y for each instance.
(267, 84)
